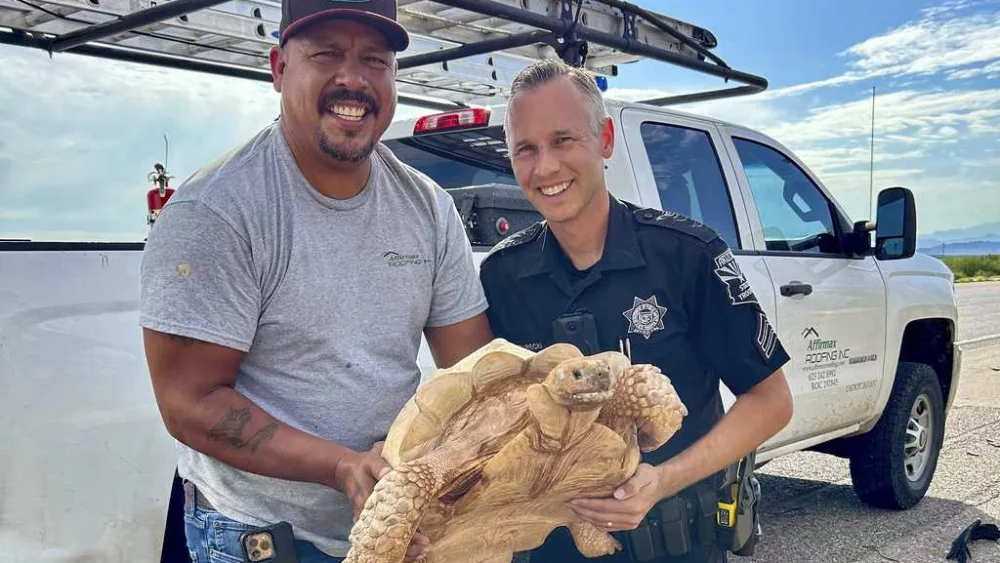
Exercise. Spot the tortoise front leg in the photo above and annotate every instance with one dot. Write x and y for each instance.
(645, 396)
(592, 541)
(393, 511)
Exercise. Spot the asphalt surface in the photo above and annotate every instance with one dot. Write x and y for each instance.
(810, 512)
(978, 309)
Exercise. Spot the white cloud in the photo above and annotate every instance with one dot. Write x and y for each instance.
(928, 115)
(638, 94)
(948, 7)
(750, 111)
(947, 132)
(831, 160)
(941, 41)
(840, 80)
(930, 45)
(990, 71)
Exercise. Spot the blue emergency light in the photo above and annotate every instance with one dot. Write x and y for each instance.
(602, 83)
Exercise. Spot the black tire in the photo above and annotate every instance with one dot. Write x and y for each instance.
(882, 469)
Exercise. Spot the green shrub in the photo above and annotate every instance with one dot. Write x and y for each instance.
(968, 268)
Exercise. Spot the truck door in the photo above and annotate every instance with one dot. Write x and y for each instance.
(831, 306)
(677, 167)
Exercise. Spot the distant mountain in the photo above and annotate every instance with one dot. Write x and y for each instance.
(975, 240)
(964, 248)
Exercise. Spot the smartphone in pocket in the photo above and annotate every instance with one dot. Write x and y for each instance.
(269, 544)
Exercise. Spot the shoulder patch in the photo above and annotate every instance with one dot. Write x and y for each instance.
(523, 236)
(680, 223)
(727, 269)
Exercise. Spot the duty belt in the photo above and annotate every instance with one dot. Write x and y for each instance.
(720, 511)
(676, 525)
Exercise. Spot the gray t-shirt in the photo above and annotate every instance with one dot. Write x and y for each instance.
(327, 297)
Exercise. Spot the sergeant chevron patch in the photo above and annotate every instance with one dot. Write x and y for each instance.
(767, 339)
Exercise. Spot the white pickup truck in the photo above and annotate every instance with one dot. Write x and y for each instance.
(87, 465)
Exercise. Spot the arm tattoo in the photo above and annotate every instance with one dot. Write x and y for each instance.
(265, 433)
(230, 429)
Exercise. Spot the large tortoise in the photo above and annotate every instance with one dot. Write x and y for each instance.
(486, 453)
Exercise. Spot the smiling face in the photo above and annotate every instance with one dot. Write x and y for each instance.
(338, 92)
(557, 156)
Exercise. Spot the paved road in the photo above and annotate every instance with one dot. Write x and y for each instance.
(811, 512)
(978, 309)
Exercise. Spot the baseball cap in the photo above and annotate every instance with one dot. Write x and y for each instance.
(380, 14)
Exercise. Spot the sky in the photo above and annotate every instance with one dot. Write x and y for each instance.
(80, 134)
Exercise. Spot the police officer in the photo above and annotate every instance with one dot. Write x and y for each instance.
(663, 289)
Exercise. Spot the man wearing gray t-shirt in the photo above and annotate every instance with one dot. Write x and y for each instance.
(285, 289)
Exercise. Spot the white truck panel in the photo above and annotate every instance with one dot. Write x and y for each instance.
(86, 463)
(835, 337)
(920, 287)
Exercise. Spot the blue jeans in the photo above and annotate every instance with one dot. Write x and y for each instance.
(214, 538)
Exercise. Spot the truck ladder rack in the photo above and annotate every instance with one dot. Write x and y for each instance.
(462, 52)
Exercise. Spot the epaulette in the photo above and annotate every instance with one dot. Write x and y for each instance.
(523, 236)
(677, 222)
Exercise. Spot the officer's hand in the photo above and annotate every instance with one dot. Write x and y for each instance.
(356, 476)
(629, 505)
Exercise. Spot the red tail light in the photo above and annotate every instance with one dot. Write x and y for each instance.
(461, 119)
(502, 226)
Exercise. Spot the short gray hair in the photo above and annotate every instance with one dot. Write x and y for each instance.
(542, 72)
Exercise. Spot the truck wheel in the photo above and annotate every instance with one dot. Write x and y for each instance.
(893, 464)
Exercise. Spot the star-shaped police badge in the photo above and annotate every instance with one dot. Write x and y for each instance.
(645, 317)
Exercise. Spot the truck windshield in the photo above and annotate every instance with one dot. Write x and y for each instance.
(459, 158)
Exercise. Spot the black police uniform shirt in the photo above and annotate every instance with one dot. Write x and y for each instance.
(667, 289)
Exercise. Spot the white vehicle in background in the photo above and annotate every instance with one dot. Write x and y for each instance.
(85, 462)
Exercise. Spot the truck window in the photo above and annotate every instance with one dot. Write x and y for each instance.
(689, 177)
(458, 159)
(794, 213)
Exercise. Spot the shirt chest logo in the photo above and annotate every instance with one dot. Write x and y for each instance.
(645, 317)
(397, 259)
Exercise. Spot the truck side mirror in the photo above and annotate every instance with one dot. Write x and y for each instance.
(859, 241)
(896, 224)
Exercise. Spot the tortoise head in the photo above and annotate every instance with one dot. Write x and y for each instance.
(581, 382)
